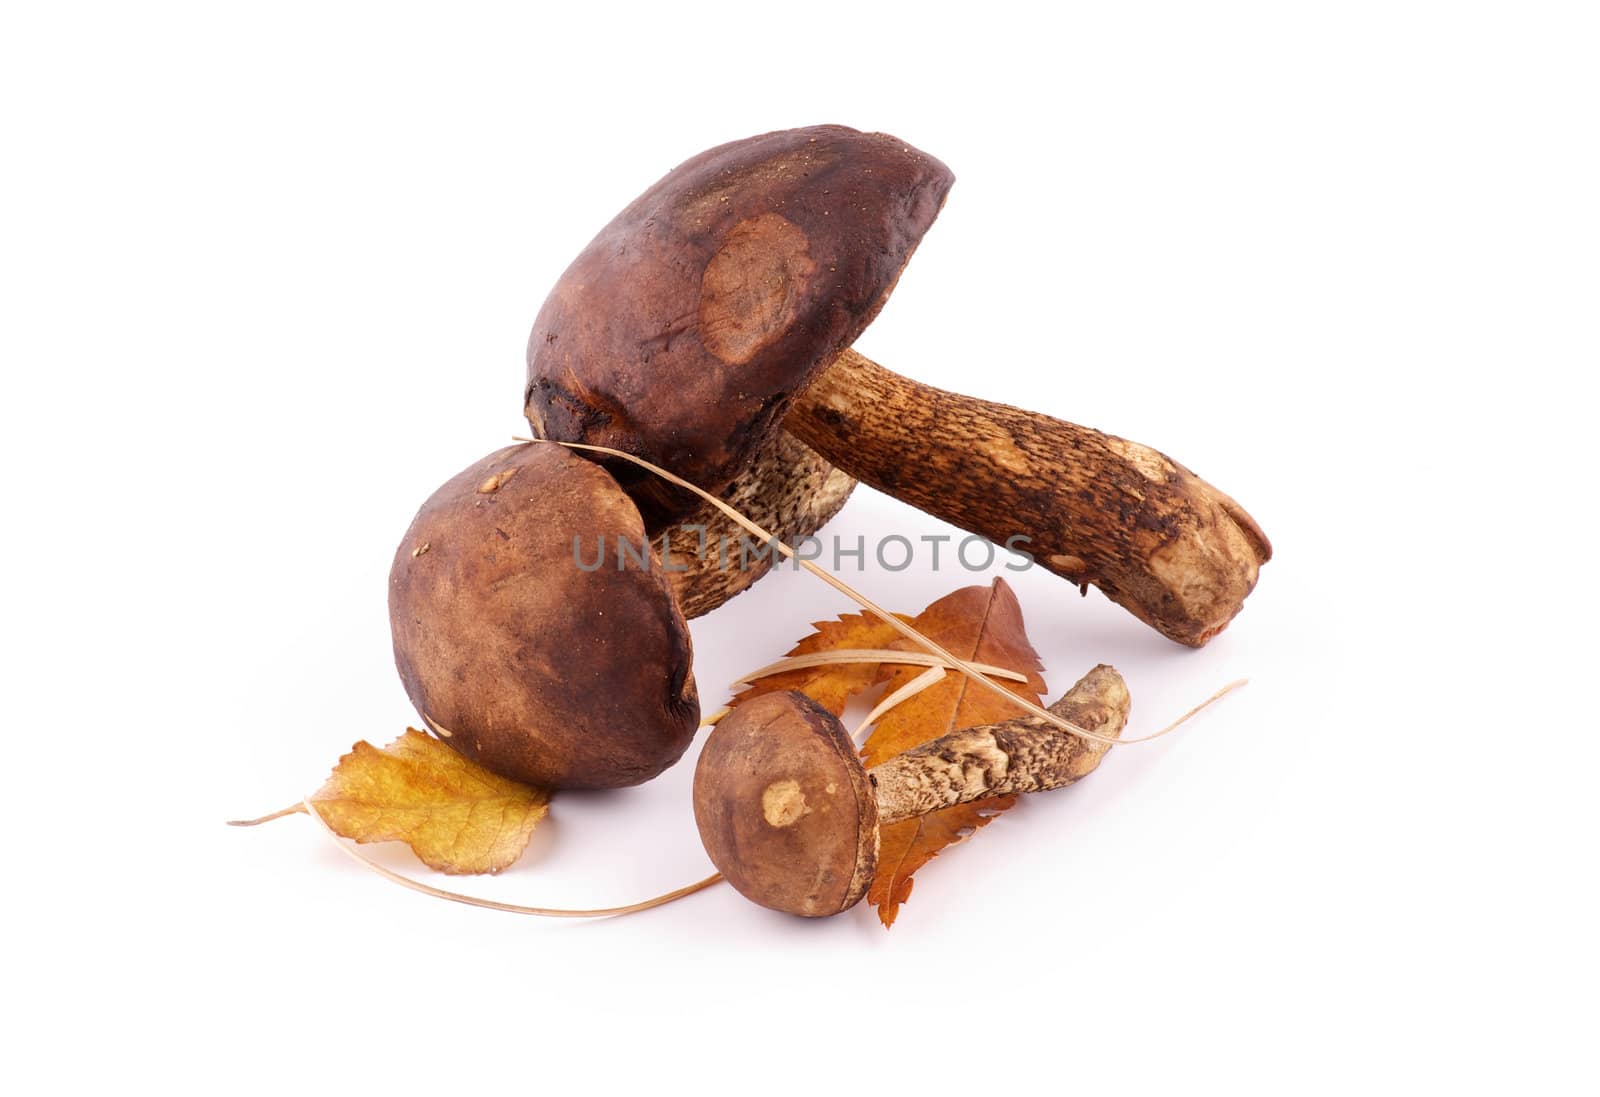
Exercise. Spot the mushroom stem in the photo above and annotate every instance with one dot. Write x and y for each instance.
(788, 489)
(1093, 508)
(1022, 755)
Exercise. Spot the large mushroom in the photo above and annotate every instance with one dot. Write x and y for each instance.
(534, 628)
(789, 816)
(721, 305)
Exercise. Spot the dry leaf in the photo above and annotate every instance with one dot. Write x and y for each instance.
(905, 847)
(832, 686)
(982, 624)
(454, 814)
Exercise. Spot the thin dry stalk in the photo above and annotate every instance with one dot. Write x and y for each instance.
(492, 904)
(865, 655)
(929, 677)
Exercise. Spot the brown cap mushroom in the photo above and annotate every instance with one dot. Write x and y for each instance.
(685, 327)
(789, 816)
(525, 648)
(723, 302)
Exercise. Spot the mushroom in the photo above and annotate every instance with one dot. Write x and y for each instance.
(527, 632)
(722, 303)
(789, 816)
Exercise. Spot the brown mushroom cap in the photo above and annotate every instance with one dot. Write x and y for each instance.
(784, 808)
(684, 328)
(540, 670)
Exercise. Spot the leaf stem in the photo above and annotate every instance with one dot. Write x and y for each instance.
(296, 809)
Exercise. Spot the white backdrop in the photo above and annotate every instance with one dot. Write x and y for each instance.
(267, 277)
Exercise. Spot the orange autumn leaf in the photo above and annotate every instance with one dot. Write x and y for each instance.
(905, 847)
(455, 815)
(831, 686)
(979, 624)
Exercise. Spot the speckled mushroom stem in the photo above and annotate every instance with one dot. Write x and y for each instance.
(1096, 509)
(789, 490)
(1022, 755)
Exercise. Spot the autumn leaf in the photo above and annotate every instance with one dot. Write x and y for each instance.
(905, 847)
(832, 686)
(454, 814)
(980, 624)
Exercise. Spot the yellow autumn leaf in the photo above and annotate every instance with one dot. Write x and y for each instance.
(454, 814)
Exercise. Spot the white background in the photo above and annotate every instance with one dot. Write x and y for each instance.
(267, 276)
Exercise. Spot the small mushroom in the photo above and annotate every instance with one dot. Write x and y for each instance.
(722, 303)
(789, 816)
(528, 639)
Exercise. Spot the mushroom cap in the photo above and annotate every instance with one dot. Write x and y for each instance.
(518, 657)
(784, 808)
(685, 327)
